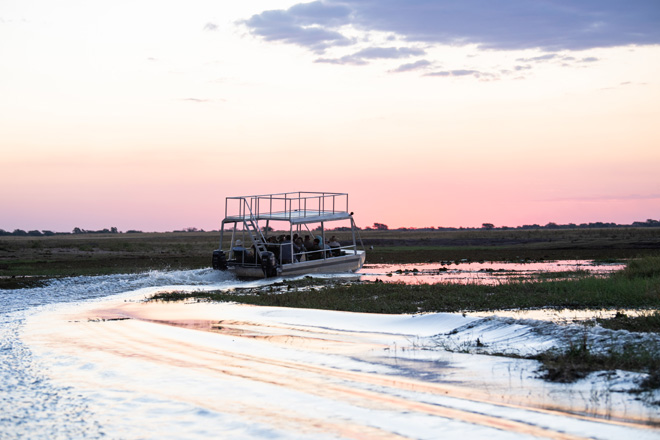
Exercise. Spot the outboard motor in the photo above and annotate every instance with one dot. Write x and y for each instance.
(219, 260)
(268, 264)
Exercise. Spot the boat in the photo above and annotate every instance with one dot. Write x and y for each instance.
(259, 232)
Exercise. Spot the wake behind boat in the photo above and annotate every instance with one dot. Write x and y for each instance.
(285, 234)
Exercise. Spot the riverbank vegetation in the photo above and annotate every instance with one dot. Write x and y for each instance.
(31, 259)
(636, 286)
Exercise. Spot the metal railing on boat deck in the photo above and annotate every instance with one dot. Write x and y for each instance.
(285, 206)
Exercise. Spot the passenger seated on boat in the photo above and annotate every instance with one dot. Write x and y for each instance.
(238, 250)
(335, 246)
(308, 243)
(299, 249)
(251, 255)
(273, 246)
(314, 252)
(286, 251)
(326, 247)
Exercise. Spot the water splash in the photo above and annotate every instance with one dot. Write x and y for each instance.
(34, 407)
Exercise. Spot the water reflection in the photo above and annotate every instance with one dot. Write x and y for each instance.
(483, 272)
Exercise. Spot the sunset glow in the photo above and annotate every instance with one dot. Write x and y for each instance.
(146, 116)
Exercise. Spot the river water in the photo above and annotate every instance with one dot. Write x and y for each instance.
(32, 405)
(36, 406)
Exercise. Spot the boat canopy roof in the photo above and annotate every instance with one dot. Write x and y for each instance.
(294, 207)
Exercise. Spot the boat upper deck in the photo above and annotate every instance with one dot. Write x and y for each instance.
(294, 207)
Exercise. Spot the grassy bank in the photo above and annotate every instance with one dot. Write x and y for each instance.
(32, 259)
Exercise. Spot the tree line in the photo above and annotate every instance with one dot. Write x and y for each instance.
(650, 223)
(47, 233)
(490, 226)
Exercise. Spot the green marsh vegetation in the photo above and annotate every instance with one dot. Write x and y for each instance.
(637, 286)
(95, 254)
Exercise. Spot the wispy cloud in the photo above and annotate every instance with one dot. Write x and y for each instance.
(462, 72)
(372, 53)
(417, 65)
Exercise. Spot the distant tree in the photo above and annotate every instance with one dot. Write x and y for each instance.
(487, 225)
(191, 230)
(267, 229)
(380, 227)
(3, 232)
(48, 233)
(35, 233)
(78, 231)
(114, 230)
(19, 232)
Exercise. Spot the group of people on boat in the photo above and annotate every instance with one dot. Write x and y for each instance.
(288, 249)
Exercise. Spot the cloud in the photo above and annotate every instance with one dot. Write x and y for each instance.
(348, 59)
(417, 65)
(357, 32)
(388, 52)
(309, 25)
(550, 25)
(210, 27)
(546, 57)
(564, 59)
(461, 72)
(371, 53)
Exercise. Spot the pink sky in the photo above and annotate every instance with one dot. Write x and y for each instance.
(152, 127)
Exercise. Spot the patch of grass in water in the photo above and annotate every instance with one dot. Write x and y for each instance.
(646, 267)
(645, 322)
(578, 359)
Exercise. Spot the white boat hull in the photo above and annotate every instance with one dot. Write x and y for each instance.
(341, 264)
